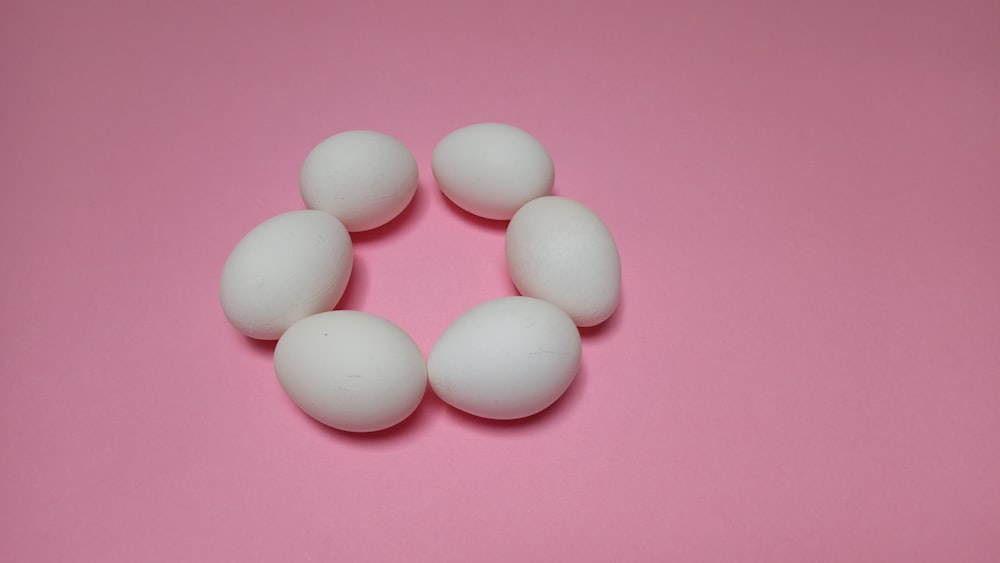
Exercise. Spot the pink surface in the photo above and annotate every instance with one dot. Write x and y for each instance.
(805, 365)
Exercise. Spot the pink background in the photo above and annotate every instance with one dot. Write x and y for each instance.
(805, 365)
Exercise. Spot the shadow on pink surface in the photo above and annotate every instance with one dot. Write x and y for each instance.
(417, 422)
(596, 333)
(606, 330)
(357, 287)
(552, 415)
(262, 347)
(408, 220)
(431, 406)
(494, 225)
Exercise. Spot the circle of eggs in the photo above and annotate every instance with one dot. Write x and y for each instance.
(507, 358)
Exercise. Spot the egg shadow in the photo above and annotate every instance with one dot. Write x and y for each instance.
(407, 220)
(357, 287)
(608, 328)
(596, 333)
(418, 421)
(494, 225)
(552, 415)
(258, 346)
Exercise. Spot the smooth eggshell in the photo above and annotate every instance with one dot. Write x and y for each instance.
(506, 358)
(351, 370)
(363, 178)
(287, 268)
(560, 251)
(492, 169)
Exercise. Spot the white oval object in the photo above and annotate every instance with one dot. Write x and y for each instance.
(363, 178)
(351, 370)
(560, 251)
(506, 358)
(289, 267)
(492, 169)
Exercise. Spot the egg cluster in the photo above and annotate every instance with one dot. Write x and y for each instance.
(506, 358)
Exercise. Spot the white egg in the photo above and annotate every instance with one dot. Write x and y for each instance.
(363, 178)
(351, 370)
(560, 251)
(285, 269)
(492, 169)
(506, 358)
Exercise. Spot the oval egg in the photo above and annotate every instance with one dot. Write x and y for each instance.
(287, 268)
(363, 178)
(560, 251)
(351, 370)
(492, 169)
(506, 358)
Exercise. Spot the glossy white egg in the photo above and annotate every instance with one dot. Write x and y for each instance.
(351, 370)
(492, 169)
(363, 178)
(289, 267)
(506, 358)
(560, 251)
